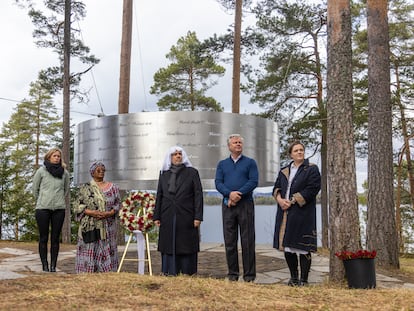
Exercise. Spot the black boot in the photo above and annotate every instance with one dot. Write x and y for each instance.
(305, 264)
(43, 256)
(292, 261)
(54, 251)
(45, 266)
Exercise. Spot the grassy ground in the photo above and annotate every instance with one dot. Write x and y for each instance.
(130, 291)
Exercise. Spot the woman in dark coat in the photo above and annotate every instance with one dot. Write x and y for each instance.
(295, 191)
(178, 213)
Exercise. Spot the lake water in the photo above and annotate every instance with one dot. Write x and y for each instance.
(265, 215)
(212, 226)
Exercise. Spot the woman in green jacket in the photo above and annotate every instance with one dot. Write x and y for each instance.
(50, 186)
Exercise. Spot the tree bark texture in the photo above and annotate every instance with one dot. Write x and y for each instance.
(381, 227)
(125, 70)
(66, 230)
(236, 58)
(343, 200)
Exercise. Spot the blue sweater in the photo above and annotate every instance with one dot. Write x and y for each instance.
(242, 176)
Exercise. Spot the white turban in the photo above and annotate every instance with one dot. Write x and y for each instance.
(167, 161)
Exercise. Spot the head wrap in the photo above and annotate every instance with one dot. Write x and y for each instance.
(167, 161)
(94, 166)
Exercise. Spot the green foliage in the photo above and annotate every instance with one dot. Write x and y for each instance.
(184, 82)
(74, 224)
(231, 4)
(362, 199)
(401, 33)
(406, 210)
(258, 200)
(152, 235)
(32, 129)
(405, 196)
(264, 200)
(6, 175)
(212, 200)
(49, 33)
(289, 83)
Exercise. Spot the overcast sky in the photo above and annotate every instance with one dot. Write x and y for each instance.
(158, 24)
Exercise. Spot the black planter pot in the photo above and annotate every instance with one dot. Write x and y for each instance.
(360, 273)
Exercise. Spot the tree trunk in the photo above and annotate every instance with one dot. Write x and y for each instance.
(381, 228)
(405, 133)
(343, 200)
(125, 71)
(398, 224)
(324, 155)
(66, 230)
(404, 151)
(235, 107)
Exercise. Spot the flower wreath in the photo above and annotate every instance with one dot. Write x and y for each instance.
(137, 211)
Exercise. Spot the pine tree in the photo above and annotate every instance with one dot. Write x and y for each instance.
(381, 228)
(31, 130)
(186, 80)
(343, 200)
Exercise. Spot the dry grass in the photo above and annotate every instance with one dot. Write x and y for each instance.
(407, 265)
(130, 291)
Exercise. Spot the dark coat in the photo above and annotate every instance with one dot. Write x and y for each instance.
(187, 205)
(298, 228)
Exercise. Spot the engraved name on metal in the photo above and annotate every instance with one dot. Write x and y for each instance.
(133, 146)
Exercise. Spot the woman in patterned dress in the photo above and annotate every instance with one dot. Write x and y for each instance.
(96, 209)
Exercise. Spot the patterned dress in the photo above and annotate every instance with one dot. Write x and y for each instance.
(102, 255)
(113, 201)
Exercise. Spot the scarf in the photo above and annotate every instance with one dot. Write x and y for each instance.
(91, 197)
(56, 170)
(175, 169)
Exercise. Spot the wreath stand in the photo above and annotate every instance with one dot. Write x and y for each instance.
(148, 259)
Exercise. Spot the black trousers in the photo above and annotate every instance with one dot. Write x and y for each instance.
(240, 217)
(54, 219)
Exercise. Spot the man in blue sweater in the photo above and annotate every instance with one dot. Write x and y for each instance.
(236, 178)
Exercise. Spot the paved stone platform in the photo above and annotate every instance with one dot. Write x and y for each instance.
(270, 265)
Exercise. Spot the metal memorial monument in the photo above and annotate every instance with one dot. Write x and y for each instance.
(133, 146)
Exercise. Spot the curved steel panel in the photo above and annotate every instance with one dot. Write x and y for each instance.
(133, 146)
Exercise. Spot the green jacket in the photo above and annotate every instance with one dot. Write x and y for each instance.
(50, 191)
